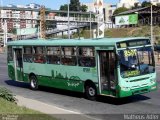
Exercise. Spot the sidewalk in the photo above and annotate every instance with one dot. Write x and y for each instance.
(54, 111)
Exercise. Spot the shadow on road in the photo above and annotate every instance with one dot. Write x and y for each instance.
(122, 101)
(45, 89)
(17, 84)
(103, 99)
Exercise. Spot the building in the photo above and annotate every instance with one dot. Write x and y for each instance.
(15, 17)
(127, 3)
(155, 2)
(108, 10)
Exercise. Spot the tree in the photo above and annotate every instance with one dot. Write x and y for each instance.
(64, 7)
(74, 5)
(146, 4)
(14, 31)
(136, 5)
(84, 8)
(120, 10)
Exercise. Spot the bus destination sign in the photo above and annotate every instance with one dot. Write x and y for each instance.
(133, 43)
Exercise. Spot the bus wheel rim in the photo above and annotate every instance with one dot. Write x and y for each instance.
(33, 83)
(91, 91)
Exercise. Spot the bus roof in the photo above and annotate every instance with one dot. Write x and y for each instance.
(72, 42)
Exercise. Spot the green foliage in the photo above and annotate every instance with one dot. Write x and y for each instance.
(84, 8)
(120, 10)
(7, 95)
(14, 31)
(74, 5)
(136, 5)
(64, 7)
(146, 4)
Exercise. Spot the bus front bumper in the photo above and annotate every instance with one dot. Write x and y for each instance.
(127, 93)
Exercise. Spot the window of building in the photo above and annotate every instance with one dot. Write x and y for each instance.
(27, 56)
(53, 55)
(86, 56)
(68, 56)
(39, 54)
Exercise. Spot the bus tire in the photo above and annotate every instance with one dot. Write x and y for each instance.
(33, 82)
(90, 92)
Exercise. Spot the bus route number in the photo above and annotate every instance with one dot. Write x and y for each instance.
(132, 73)
(128, 53)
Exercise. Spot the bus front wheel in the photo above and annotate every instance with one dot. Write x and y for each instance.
(90, 92)
(33, 82)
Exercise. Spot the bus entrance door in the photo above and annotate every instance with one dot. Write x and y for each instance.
(107, 72)
(18, 63)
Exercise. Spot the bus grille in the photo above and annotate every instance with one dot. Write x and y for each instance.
(139, 79)
(140, 91)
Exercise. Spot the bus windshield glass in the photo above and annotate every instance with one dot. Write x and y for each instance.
(137, 61)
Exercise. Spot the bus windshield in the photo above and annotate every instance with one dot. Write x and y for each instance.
(137, 61)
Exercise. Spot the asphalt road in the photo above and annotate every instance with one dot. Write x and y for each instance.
(104, 108)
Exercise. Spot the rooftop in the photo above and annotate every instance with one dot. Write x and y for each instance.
(73, 42)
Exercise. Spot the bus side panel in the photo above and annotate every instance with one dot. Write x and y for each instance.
(60, 76)
(11, 70)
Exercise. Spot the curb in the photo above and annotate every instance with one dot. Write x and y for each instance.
(54, 111)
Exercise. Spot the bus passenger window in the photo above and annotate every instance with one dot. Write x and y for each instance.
(10, 54)
(27, 56)
(86, 57)
(39, 54)
(53, 55)
(69, 56)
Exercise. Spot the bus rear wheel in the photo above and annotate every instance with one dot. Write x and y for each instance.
(33, 82)
(90, 92)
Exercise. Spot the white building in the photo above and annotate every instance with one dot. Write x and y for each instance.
(127, 3)
(108, 10)
(15, 17)
(155, 2)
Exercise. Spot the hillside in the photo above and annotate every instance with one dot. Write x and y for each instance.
(144, 31)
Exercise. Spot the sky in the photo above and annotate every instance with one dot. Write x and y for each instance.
(54, 4)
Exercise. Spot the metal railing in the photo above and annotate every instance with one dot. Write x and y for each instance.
(53, 18)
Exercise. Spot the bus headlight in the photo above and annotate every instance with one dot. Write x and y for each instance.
(125, 88)
(152, 81)
(154, 87)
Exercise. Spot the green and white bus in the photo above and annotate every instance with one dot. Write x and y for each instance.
(117, 67)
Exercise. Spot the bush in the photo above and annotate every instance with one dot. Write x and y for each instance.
(7, 95)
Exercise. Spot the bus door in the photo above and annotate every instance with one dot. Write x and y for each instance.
(107, 72)
(18, 64)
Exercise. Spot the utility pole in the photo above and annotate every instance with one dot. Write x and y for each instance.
(42, 22)
(68, 23)
(5, 32)
(152, 39)
(90, 26)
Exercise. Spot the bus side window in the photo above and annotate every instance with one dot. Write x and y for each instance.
(27, 56)
(39, 54)
(69, 56)
(53, 55)
(86, 57)
(10, 53)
